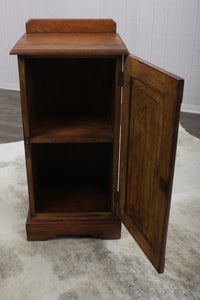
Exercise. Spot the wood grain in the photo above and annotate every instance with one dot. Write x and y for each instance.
(71, 120)
(151, 106)
(70, 44)
(25, 105)
(77, 128)
(77, 196)
(23, 96)
(69, 147)
(98, 227)
(54, 215)
(70, 26)
(115, 109)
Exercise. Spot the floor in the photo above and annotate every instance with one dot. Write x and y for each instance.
(88, 269)
(11, 120)
(10, 116)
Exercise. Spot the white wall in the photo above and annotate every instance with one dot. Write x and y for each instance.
(164, 32)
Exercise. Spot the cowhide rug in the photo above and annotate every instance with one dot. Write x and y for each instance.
(90, 269)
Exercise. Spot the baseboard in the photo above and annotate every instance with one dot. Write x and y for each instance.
(195, 109)
(9, 86)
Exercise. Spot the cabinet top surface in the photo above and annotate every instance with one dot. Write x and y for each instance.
(70, 44)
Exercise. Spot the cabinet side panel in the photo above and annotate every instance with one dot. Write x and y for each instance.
(26, 129)
(23, 96)
(31, 179)
(115, 111)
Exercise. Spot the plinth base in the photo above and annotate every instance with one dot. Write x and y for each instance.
(98, 227)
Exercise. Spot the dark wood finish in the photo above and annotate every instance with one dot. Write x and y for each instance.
(25, 103)
(115, 111)
(62, 178)
(86, 214)
(72, 129)
(70, 44)
(31, 176)
(73, 177)
(26, 111)
(71, 86)
(151, 105)
(70, 26)
(99, 227)
(71, 107)
(61, 112)
(72, 197)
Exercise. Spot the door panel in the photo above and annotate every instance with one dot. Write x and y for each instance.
(150, 114)
(145, 128)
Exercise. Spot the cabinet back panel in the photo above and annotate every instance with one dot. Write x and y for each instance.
(73, 177)
(67, 86)
(71, 161)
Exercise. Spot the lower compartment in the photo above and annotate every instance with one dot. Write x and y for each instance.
(72, 178)
(97, 227)
(73, 196)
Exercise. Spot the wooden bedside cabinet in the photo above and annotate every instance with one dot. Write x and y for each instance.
(71, 79)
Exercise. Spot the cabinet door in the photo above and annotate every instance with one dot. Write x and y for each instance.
(150, 117)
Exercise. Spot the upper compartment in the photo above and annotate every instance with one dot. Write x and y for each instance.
(71, 99)
(70, 37)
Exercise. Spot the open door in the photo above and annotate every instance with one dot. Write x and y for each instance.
(150, 117)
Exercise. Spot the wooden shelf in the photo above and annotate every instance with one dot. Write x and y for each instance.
(68, 197)
(49, 129)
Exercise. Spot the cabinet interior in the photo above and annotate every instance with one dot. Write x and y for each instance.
(72, 177)
(71, 105)
(71, 98)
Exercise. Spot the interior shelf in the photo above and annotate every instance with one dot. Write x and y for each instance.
(79, 128)
(77, 196)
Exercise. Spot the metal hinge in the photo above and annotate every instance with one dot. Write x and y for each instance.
(121, 79)
(27, 141)
(116, 197)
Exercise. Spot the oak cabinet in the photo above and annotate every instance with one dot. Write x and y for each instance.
(72, 75)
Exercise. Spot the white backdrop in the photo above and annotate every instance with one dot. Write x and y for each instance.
(164, 32)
